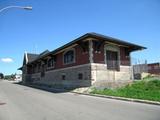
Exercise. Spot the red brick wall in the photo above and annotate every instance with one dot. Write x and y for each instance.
(125, 59)
(83, 57)
(98, 57)
(80, 58)
(59, 60)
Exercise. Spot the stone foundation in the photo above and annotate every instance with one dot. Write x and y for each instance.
(102, 77)
(92, 74)
(54, 77)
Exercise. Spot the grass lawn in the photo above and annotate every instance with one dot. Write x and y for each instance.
(144, 89)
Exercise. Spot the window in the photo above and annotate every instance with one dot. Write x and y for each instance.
(63, 77)
(80, 76)
(69, 57)
(112, 60)
(51, 63)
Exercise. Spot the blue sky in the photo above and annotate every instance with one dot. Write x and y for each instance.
(53, 23)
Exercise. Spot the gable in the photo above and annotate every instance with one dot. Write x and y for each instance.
(24, 60)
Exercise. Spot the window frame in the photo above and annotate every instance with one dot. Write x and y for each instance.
(113, 48)
(112, 64)
(74, 57)
(52, 63)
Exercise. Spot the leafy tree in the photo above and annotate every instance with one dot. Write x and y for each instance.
(1, 76)
(10, 77)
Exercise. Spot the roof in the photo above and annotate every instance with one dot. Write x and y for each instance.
(20, 68)
(43, 53)
(102, 37)
(134, 47)
(115, 40)
(31, 57)
(156, 63)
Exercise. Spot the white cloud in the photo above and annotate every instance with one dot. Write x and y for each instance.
(7, 60)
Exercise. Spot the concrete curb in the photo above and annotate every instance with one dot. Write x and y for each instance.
(121, 98)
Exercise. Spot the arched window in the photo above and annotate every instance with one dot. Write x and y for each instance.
(69, 57)
(51, 63)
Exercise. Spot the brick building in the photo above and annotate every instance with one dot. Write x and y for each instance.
(91, 59)
(154, 68)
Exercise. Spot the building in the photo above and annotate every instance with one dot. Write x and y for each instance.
(151, 68)
(154, 68)
(92, 59)
(18, 77)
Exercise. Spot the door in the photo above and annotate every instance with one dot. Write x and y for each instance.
(112, 60)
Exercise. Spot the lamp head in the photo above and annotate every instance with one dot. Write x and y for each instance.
(27, 8)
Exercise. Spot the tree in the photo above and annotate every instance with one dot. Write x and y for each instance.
(1, 76)
(10, 77)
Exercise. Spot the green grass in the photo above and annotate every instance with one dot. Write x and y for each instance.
(145, 89)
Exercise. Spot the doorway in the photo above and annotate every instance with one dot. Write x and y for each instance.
(112, 60)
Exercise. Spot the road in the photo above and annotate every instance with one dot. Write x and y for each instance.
(19, 102)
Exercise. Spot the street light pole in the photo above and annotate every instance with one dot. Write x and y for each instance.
(21, 7)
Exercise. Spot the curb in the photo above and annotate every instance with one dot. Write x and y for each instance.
(120, 98)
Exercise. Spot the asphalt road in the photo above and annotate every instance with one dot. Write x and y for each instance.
(24, 103)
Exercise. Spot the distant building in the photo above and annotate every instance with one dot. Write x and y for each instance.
(18, 77)
(152, 68)
(88, 60)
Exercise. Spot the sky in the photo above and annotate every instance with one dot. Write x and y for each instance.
(52, 23)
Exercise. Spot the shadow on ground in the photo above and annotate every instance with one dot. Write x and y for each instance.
(48, 88)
